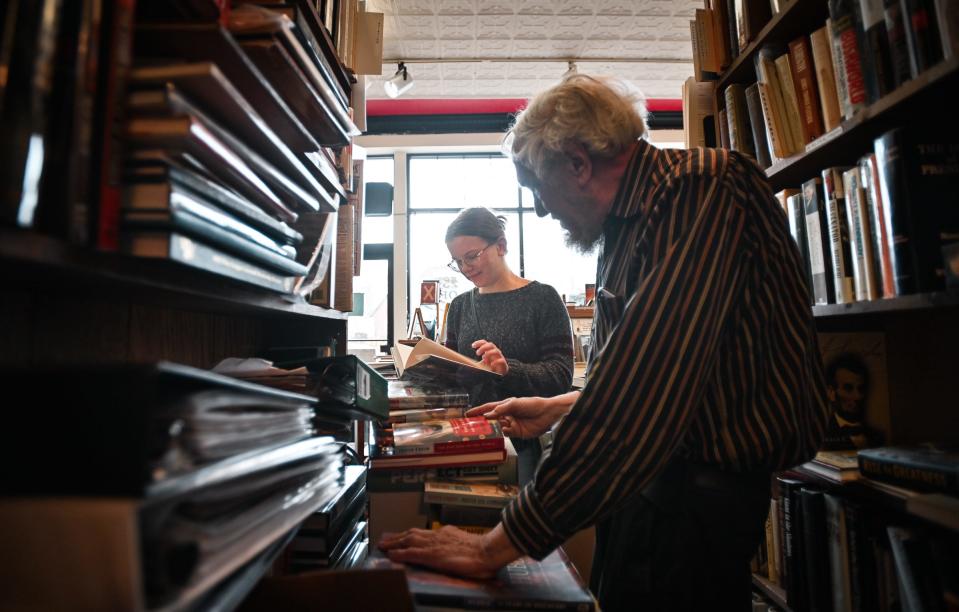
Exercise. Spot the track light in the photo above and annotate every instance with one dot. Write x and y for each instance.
(399, 83)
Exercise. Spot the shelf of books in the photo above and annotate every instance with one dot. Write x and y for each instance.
(179, 223)
(847, 105)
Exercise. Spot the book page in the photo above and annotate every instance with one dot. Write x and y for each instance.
(426, 347)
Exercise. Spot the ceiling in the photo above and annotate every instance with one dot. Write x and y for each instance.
(516, 48)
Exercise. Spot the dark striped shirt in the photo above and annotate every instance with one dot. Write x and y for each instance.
(706, 345)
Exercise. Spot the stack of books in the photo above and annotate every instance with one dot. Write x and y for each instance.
(333, 537)
(471, 506)
(412, 447)
(190, 479)
(227, 162)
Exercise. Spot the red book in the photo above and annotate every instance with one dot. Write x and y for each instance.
(807, 92)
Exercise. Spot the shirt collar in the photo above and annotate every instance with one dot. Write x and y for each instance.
(630, 200)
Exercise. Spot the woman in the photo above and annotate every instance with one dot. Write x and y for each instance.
(519, 328)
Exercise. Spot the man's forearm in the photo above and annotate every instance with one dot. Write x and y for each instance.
(497, 549)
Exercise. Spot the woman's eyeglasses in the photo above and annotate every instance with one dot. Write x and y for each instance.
(468, 260)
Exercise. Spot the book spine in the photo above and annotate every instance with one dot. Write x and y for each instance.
(118, 59)
(724, 129)
(797, 228)
(876, 45)
(860, 245)
(839, 72)
(922, 36)
(898, 46)
(804, 80)
(900, 218)
(846, 45)
(819, 260)
(731, 30)
(882, 249)
(773, 135)
(947, 18)
(838, 553)
(198, 255)
(790, 103)
(815, 549)
(486, 444)
(756, 126)
(796, 594)
(772, 569)
(464, 499)
(838, 229)
(740, 134)
(911, 473)
(825, 78)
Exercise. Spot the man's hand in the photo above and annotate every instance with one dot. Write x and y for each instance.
(452, 551)
(526, 417)
(491, 356)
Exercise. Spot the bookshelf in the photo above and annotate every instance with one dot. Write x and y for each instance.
(920, 333)
(69, 302)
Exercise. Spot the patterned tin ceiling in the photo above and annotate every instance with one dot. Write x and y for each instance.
(495, 49)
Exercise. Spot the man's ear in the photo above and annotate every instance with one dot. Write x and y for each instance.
(580, 164)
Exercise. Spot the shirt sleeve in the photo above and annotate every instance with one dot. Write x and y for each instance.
(553, 373)
(648, 380)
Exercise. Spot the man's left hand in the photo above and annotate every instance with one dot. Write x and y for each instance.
(449, 550)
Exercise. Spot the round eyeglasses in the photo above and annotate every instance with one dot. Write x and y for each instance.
(469, 259)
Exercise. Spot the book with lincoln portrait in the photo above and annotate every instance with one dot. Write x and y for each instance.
(857, 388)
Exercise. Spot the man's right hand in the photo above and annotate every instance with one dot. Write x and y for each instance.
(526, 417)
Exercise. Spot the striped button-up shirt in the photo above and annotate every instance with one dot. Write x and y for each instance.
(705, 346)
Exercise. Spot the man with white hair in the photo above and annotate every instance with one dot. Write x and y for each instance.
(704, 379)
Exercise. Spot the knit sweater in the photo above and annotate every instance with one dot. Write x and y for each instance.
(530, 325)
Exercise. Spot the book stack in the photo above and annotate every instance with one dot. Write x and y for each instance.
(412, 447)
(524, 584)
(472, 506)
(333, 537)
(211, 176)
(191, 480)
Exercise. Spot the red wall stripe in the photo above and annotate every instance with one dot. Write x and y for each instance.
(471, 106)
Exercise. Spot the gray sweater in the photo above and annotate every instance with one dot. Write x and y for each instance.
(530, 325)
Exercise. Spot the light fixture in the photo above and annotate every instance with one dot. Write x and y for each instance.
(399, 83)
(571, 70)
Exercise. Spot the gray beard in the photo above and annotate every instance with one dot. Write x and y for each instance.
(583, 244)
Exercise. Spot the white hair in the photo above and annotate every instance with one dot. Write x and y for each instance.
(604, 115)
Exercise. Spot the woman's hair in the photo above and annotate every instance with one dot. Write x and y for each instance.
(603, 114)
(480, 222)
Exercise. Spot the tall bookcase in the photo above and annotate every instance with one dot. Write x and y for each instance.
(921, 331)
(69, 304)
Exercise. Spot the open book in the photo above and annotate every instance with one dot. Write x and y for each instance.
(431, 361)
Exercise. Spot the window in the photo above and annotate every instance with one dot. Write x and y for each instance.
(368, 325)
(440, 186)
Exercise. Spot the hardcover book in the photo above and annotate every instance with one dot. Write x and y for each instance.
(925, 468)
(840, 253)
(408, 395)
(442, 437)
(469, 494)
(820, 262)
(430, 361)
(524, 584)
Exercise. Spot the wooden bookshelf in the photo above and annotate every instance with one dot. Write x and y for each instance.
(796, 18)
(932, 91)
(33, 260)
(775, 593)
(906, 303)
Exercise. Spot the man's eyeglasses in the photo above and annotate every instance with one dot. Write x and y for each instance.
(468, 260)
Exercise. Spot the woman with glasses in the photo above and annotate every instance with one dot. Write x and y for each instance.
(519, 328)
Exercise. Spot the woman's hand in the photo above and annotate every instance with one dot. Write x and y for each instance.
(491, 356)
(524, 417)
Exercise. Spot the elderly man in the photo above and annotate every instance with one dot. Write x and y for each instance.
(705, 375)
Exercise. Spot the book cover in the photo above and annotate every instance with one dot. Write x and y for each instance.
(431, 362)
(451, 436)
(492, 495)
(185, 250)
(875, 206)
(807, 93)
(922, 35)
(896, 36)
(924, 468)
(151, 179)
(845, 38)
(524, 584)
(876, 45)
(825, 78)
(755, 110)
(919, 181)
(820, 262)
(840, 252)
(857, 216)
(857, 387)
